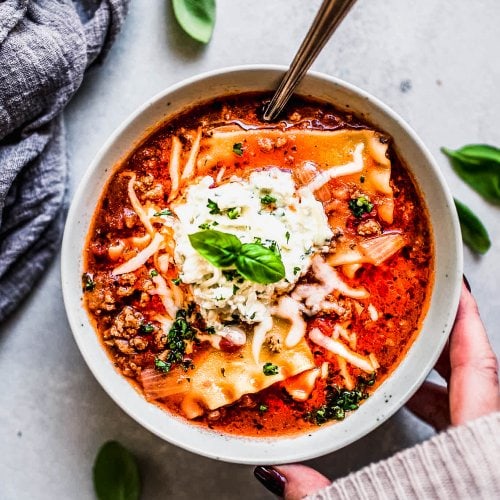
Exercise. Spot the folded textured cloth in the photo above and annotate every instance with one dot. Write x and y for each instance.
(461, 463)
(45, 48)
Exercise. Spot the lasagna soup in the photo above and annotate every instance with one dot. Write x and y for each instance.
(259, 279)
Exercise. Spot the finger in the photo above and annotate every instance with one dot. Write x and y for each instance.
(301, 481)
(431, 404)
(443, 366)
(473, 387)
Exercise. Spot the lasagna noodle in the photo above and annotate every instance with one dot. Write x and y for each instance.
(222, 378)
(325, 149)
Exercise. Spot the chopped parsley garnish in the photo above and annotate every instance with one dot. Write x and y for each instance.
(270, 369)
(233, 275)
(161, 365)
(205, 225)
(360, 206)
(235, 289)
(267, 199)
(147, 328)
(213, 207)
(165, 211)
(210, 330)
(339, 401)
(88, 282)
(367, 381)
(233, 213)
(176, 281)
(287, 236)
(238, 149)
(180, 332)
(263, 408)
(296, 270)
(153, 273)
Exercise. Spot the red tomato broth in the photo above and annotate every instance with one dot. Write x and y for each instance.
(399, 287)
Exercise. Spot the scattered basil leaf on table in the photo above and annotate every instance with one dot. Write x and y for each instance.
(116, 476)
(254, 261)
(479, 166)
(196, 18)
(474, 233)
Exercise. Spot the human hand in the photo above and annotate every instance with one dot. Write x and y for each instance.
(470, 368)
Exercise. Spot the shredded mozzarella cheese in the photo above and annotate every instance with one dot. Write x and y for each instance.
(336, 347)
(141, 258)
(339, 171)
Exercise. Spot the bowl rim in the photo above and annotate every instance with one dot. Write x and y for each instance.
(70, 298)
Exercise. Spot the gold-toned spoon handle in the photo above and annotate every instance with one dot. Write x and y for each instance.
(328, 18)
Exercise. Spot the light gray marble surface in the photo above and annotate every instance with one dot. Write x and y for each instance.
(435, 63)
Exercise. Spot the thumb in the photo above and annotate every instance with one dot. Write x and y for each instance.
(301, 481)
(473, 387)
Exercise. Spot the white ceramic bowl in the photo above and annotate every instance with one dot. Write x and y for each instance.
(407, 377)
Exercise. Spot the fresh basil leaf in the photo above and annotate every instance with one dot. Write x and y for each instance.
(474, 234)
(220, 249)
(196, 18)
(116, 476)
(479, 166)
(259, 264)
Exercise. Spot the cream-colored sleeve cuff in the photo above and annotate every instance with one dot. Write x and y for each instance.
(461, 463)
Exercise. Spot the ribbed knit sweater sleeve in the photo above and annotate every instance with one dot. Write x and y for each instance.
(461, 463)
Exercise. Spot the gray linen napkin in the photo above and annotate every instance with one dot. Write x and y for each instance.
(45, 48)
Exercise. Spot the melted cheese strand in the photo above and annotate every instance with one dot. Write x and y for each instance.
(174, 167)
(290, 309)
(336, 347)
(191, 163)
(136, 205)
(259, 336)
(339, 171)
(141, 258)
(348, 380)
(314, 295)
(165, 294)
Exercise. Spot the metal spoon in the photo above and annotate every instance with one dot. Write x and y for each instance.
(330, 15)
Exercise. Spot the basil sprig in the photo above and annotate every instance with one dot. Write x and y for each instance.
(474, 234)
(253, 261)
(116, 476)
(260, 264)
(220, 249)
(479, 166)
(196, 18)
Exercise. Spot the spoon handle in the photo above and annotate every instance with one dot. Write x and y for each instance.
(330, 15)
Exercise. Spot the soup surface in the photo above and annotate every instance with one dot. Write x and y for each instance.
(260, 279)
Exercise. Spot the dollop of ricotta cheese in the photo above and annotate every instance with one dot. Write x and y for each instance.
(267, 208)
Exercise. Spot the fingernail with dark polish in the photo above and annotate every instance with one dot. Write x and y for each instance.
(271, 479)
(467, 284)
